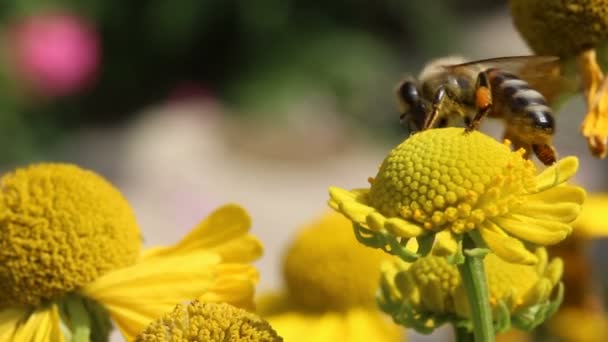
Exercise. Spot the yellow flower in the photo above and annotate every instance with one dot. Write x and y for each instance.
(592, 222)
(432, 292)
(572, 29)
(440, 184)
(331, 281)
(563, 28)
(581, 316)
(70, 244)
(576, 325)
(210, 322)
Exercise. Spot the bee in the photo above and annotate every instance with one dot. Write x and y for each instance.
(516, 89)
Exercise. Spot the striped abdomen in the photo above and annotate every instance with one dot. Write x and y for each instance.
(520, 105)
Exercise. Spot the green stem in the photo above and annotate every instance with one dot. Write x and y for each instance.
(474, 279)
(79, 318)
(463, 334)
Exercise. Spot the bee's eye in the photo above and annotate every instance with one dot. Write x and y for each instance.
(409, 94)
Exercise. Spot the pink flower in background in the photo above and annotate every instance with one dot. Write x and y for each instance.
(56, 54)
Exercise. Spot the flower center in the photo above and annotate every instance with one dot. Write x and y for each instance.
(444, 178)
(208, 322)
(60, 228)
(327, 269)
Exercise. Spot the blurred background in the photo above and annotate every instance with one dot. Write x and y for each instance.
(188, 104)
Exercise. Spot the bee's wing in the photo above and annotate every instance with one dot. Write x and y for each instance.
(544, 73)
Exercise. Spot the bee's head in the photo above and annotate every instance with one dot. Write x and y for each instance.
(412, 107)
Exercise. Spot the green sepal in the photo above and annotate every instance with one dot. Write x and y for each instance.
(458, 257)
(385, 242)
(477, 252)
(83, 320)
(503, 318)
(531, 318)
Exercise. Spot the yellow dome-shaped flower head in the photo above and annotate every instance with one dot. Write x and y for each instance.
(441, 184)
(574, 28)
(563, 28)
(212, 322)
(71, 266)
(431, 291)
(61, 227)
(331, 285)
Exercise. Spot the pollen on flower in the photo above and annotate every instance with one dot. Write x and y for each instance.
(60, 228)
(327, 270)
(453, 176)
(213, 322)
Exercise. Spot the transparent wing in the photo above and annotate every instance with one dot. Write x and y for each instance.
(546, 74)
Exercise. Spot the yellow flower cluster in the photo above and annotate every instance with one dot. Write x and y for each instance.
(70, 258)
(208, 322)
(431, 285)
(331, 284)
(572, 29)
(563, 28)
(61, 227)
(443, 183)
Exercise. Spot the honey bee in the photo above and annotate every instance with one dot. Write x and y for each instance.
(516, 89)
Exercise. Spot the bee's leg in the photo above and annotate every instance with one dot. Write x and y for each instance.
(440, 96)
(483, 101)
(443, 122)
(467, 121)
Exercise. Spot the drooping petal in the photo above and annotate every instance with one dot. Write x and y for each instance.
(356, 211)
(561, 211)
(300, 327)
(136, 295)
(560, 194)
(506, 247)
(224, 225)
(9, 318)
(556, 174)
(593, 219)
(366, 325)
(445, 244)
(403, 228)
(539, 231)
(42, 325)
(234, 284)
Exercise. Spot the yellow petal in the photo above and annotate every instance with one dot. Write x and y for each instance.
(234, 284)
(445, 243)
(556, 174)
(560, 194)
(592, 222)
(222, 226)
(595, 124)
(9, 318)
(563, 211)
(375, 221)
(297, 326)
(506, 247)
(340, 195)
(363, 325)
(356, 211)
(539, 231)
(42, 325)
(403, 228)
(136, 295)
(245, 249)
